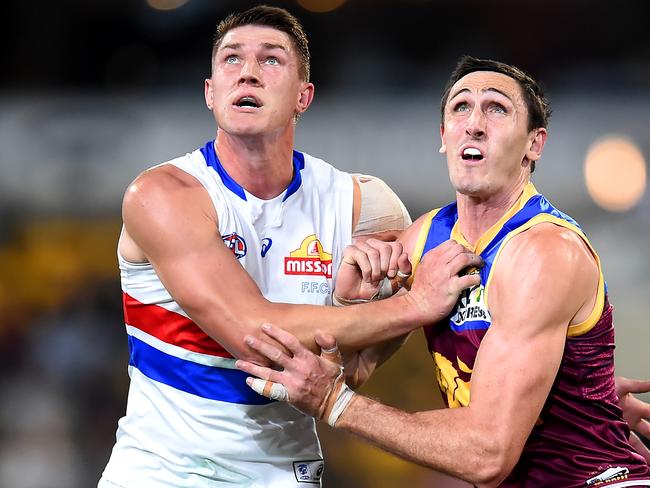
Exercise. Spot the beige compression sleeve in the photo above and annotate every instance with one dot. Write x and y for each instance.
(381, 208)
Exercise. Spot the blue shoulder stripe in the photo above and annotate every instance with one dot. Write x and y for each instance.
(211, 158)
(298, 166)
(537, 204)
(441, 226)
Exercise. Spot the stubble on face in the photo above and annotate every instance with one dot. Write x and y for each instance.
(263, 62)
(498, 129)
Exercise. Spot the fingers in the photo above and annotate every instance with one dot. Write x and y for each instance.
(378, 258)
(274, 391)
(353, 256)
(374, 258)
(283, 337)
(466, 281)
(456, 257)
(640, 447)
(643, 428)
(328, 347)
(404, 265)
(264, 384)
(628, 385)
(267, 350)
(253, 369)
(464, 260)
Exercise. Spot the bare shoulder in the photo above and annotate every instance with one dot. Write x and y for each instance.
(161, 181)
(165, 189)
(548, 243)
(164, 205)
(548, 265)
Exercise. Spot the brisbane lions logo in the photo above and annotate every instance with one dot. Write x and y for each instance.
(236, 243)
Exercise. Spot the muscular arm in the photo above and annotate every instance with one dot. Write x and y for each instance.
(546, 279)
(170, 217)
(359, 365)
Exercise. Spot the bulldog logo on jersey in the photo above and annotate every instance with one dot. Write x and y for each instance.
(236, 243)
(308, 471)
(309, 259)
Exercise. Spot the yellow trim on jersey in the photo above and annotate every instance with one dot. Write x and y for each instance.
(586, 325)
(483, 241)
(416, 256)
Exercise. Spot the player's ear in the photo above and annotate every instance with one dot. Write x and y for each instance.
(443, 144)
(305, 97)
(209, 94)
(537, 140)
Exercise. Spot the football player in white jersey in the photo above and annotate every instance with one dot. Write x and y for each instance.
(190, 300)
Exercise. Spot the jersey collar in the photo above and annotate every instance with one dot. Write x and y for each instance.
(212, 160)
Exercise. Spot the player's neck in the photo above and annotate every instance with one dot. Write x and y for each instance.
(477, 214)
(260, 164)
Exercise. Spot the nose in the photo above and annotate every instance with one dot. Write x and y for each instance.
(250, 73)
(476, 123)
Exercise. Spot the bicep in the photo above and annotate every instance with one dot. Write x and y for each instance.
(540, 284)
(176, 228)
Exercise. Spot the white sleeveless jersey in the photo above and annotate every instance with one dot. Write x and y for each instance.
(191, 420)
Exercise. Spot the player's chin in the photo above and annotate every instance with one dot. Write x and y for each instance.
(244, 124)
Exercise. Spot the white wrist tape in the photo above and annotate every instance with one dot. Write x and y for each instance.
(342, 401)
(385, 290)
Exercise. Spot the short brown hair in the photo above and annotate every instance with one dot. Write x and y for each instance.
(275, 17)
(539, 110)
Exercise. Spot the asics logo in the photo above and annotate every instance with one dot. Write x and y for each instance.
(266, 245)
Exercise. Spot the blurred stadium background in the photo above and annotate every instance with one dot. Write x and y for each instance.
(95, 92)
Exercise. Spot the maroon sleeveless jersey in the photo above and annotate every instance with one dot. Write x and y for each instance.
(580, 439)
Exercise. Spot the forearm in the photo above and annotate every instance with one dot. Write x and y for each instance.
(355, 327)
(447, 440)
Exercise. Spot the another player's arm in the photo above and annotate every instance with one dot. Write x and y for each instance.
(546, 279)
(360, 365)
(171, 218)
(635, 412)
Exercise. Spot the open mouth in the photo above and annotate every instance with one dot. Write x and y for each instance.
(472, 154)
(248, 102)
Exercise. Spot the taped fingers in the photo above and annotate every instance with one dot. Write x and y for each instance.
(329, 349)
(333, 354)
(269, 389)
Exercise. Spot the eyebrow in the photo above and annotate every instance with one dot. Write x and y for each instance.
(483, 91)
(265, 45)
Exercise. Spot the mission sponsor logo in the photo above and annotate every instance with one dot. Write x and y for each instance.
(309, 259)
(471, 307)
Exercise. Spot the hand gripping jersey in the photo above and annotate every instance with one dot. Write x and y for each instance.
(580, 439)
(191, 420)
